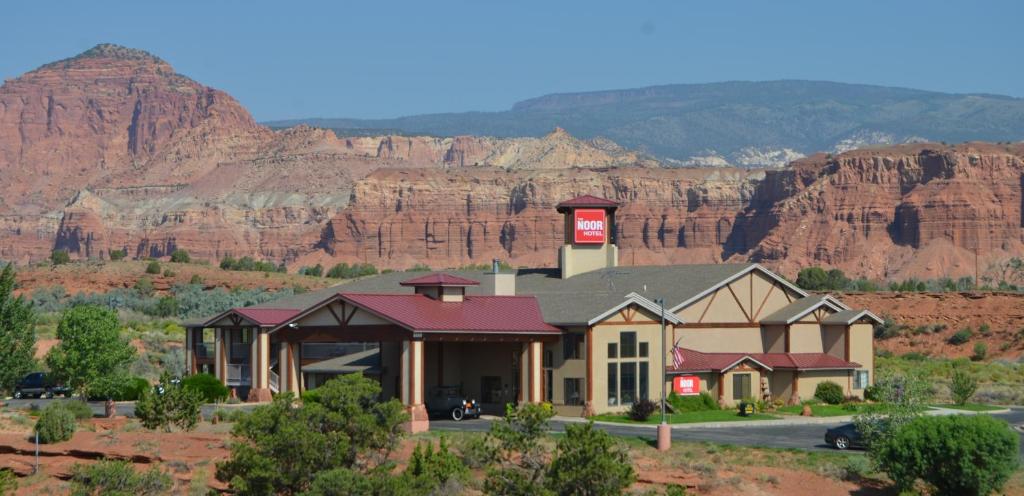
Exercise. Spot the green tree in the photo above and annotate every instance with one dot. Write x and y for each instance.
(589, 462)
(963, 386)
(812, 279)
(90, 349)
(900, 399)
(17, 333)
(60, 257)
(280, 448)
(521, 454)
(955, 454)
(172, 405)
(180, 256)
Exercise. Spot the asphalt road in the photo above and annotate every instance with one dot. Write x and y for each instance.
(807, 437)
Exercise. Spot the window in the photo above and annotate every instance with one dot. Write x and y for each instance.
(549, 358)
(549, 382)
(613, 384)
(860, 379)
(644, 381)
(740, 386)
(571, 346)
(628, 344)
(628, 382)
(643, 350)
(613, 350)
(573, 391)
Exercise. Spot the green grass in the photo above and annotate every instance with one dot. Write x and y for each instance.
(972, 407)
(729, 415)
(821, 410)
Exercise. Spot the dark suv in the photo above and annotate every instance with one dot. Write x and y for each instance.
(448, 401)
(38, 385)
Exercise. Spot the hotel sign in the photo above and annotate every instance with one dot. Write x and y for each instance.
(686, 385)
(590, 226)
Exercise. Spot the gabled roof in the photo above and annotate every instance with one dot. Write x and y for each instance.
(263, 317)
(439, 279)
(586, 201)
(640, 301)
(722, 282)
(797, 309)
(696, 361)
(419, 313)
(847, 317)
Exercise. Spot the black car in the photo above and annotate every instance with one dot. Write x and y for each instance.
(845, 436)
(38, 385)
(449, 402)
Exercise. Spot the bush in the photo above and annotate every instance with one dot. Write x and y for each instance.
(144, 286)
(118, 477)
(60, 257)
(315, 271)
(116, 255)
(962, 336)
(8, 481)
(177, 405)
(956, 454)
(344, 271)
(871, 393)
(980, 352)
(79, 409)
(434, 469)
(119, 388)
(829, 392)
(592, 459)
(816, 279)
(642, 410)
(962, 387)
(477, 452)
(196, 279)
(56, 424)
(180, 256)
(703, 401)
(153, 267)
(209, 387)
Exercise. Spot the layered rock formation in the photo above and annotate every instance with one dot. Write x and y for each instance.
(112, 149)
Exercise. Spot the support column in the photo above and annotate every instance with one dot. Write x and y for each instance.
(294, 369)
(190, 363)
(219, 356)
(260, 364)
(412, 385)
(524, 374)
(282, 365)
(535, 352)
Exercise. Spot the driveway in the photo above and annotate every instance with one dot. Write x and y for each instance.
(807, 437)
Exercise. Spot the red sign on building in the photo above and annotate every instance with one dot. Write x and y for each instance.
(686, 385)
(589, 226)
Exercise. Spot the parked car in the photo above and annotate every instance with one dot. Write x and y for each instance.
(39, 385)
(845, 436)
(450, 402)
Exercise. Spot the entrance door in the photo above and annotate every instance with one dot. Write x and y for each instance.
(740, 386)
(491, 390)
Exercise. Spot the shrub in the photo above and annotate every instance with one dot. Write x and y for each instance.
(980, 352)
(817, 279)
(956, 454)
(521, 461)
(315, 271)
(888, 329)
(79, 409)
(144, 286)
(176, 405)
(962, 387)
(344, 271)
(116, 255)
(60, 257)
(153, 267)
(196, 279)
(56, 424)
(434, 469)
(589, 458)
(477, 452)
(701, 402)
(119, 388)
(642, 410)
(180, 256)
(209, 387)
(118, 477)
(8, 481)
(984, 329)
(871, 393)
(962, 336)
(829, 392)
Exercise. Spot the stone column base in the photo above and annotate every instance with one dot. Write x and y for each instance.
(260, 395)
(419, 421)
(588, 409)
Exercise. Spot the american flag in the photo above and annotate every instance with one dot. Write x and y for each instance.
(677, 356)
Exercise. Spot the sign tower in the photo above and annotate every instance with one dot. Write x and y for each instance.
(589, 235)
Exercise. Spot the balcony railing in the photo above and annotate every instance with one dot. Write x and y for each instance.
(275, 382)
(205, 350)
(240, 352)
(239, 375)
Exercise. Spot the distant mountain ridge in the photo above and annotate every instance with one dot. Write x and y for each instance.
(740, 123)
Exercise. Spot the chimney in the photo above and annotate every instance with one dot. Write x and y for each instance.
(504, 284)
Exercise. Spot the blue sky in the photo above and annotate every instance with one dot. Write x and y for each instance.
(369, 59)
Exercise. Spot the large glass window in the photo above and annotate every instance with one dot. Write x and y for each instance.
(628, 344)
(571, 346)
(740, 386)
(628, 382)
(613, 384)
(549, 359)
(613, 350)
(573, 391)
(644, 381)
(643, 349)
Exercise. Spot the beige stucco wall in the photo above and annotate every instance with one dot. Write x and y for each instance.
(609, 332)
(746, 339)
(754, 298)
(773, 338)
(862, 350)
(577, 259)
(572, 369)
(833, 339)
(808, 380)
(781, 384)
(805, 338)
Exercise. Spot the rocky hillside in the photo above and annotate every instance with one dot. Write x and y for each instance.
(112, 149)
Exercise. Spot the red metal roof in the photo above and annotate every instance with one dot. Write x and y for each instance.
(586, 201)
(499, 314)
(696, 361)
(267, 316)
(439, 279)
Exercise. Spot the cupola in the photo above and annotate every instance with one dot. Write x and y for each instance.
(441, 286)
